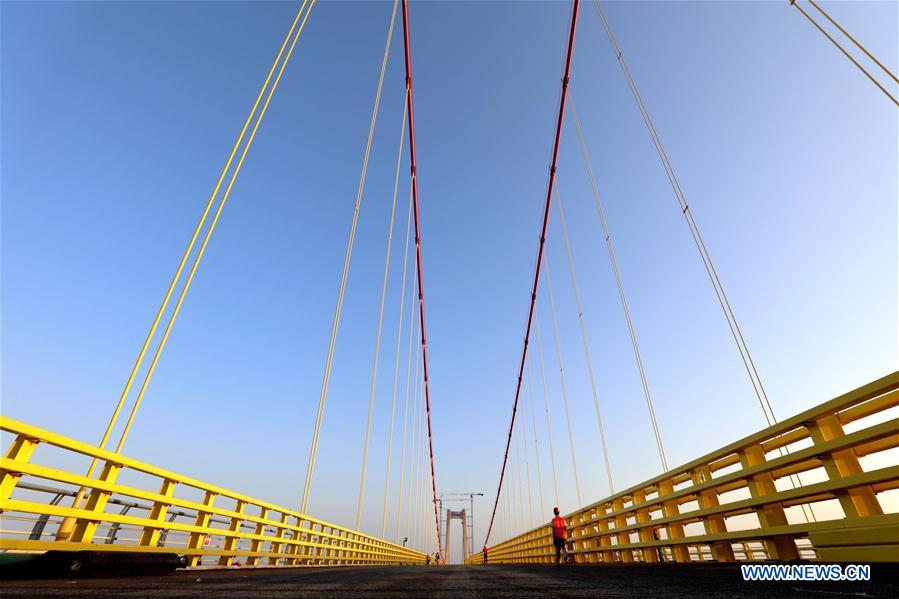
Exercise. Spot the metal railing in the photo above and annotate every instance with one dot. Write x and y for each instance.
(806, 488)
(215, 524)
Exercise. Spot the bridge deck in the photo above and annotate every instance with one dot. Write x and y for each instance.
(455, 582)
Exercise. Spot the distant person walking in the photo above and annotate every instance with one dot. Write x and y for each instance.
(485, 554)
(560, 536)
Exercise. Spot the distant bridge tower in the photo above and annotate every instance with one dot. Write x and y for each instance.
(466, 516)
(466, 545)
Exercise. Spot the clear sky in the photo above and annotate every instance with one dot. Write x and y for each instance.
(117, 117)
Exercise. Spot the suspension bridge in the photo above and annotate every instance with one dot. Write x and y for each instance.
(817, 487)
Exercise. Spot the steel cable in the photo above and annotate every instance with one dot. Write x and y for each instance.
(399, 509)
(540, 248)
(627, 314)
(374, 369)
(846, 52)
(523, 445)
(564, 386)
(310, 467)
(196, 233)
(396, 365)
(418, 262)
(198, 258)
(720, 294)
(583, 327)
(549, 430)
(536, 443)
(694, 230)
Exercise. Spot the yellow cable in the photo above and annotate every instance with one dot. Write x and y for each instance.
(412, 315)
(399, 326)
(415, 478)
(209, 231)
(190, 246)
(527, 466)
(374, 370)
(552, 308)
(416, 412)
(310, 467)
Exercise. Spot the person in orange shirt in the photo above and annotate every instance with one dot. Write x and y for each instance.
(560, 536)
(485, 554)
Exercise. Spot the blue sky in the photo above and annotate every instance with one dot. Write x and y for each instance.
(116, 118)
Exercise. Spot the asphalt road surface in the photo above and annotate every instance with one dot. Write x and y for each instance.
(454, 582)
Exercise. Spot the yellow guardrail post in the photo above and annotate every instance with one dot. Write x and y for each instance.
(294, 549)
(621, 522)
(231, 541)
(279, 534)
(861, 501)
(721, 550)
(19, 452)
(150, 535)
(675, 530)
(770, 515)
(197, 539)
(96, 502)
(649, 554)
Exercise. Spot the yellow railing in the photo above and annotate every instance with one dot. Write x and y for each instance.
(809, 487)
(216, 525)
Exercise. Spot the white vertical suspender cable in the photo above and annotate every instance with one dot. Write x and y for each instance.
(399, 329)
(527, 466)
(326, 377)
(414, 441)
(549, 428)
(536, 443)
(731, 319)
(583, 327)
(412, 312)
(694, 230)
(416, 504)
(627, 314)
(374, 369)
(552, 311)
(518, 474)
(513, 496)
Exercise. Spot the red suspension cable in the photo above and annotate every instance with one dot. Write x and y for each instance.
(549, 195)
(421, 297)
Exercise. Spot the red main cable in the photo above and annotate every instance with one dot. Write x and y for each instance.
(421, 297)
(549, 195)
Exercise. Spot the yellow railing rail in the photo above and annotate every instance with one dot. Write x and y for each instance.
(217, 525)
(806, 488)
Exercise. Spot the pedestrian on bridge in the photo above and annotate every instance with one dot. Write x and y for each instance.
(560, 537)
(485, 554)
